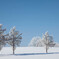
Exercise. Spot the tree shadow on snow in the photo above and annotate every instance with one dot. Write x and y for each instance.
(25, 54)
(37, 53)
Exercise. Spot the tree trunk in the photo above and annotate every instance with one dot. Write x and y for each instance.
(13, 45)
(46, 45)
(46, 49)
(13, 49)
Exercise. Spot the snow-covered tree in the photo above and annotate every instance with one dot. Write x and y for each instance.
(14, 38)
(35, 41)
(2, 37)
(47, 41)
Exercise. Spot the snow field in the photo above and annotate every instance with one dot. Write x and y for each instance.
(29, 53)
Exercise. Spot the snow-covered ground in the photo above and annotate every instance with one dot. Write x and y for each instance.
(29, 53)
